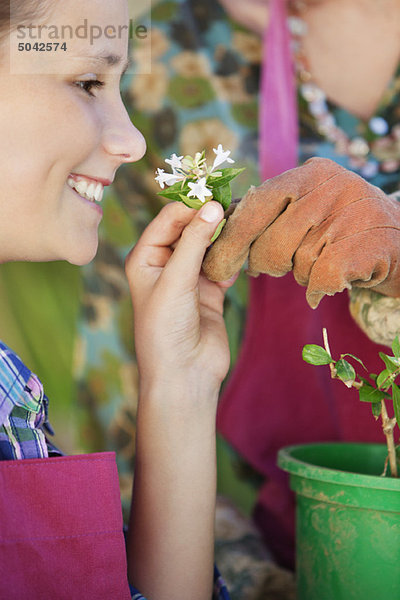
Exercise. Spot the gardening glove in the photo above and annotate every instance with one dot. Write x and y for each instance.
(325, 223)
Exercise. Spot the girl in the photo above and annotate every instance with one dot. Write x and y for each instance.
(64, 134)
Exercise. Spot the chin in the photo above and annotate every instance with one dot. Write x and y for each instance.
(81, 256)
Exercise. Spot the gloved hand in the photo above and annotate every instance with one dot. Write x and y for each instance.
(327, 224)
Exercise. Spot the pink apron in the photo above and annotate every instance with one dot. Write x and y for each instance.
(61, 532)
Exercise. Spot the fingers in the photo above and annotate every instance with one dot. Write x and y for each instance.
(365, 259)
(272, 219)
(230, 251)
(274, 250)
(146, 260)
(186, 260)
(162, 233)
(172, 248)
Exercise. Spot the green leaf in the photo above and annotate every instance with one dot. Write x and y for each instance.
(316, 355)
(376, 409)
(345, 371)
(367, 393)
(227, 176)
(392, 363)
(173, 196)
(191, 202)
(174, 191)
(179, 186)
(396, 347)
(355, 358)
(223, 195)
(218, 230)
(396, 402)
(384, 379)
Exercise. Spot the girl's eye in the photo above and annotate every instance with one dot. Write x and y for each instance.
(87, 85)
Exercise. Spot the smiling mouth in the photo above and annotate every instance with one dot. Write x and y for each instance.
(86, 188)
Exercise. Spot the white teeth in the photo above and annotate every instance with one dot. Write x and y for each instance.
(81, 187)
(98, 195)
(89, 190)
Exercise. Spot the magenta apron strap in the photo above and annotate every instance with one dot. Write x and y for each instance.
(278, 121)
(61, 529)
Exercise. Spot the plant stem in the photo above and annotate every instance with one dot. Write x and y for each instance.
(388, 426)
(327, 348)
(355, 384)
(326, 343)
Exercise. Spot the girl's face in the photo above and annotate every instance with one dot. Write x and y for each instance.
(57, 130)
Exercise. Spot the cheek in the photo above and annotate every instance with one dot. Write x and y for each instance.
(57, 124)
(38, 152)
(80, 128)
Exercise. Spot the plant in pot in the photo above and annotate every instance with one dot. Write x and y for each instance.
(348, 495)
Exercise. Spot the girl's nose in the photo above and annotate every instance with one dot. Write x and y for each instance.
(121, 138)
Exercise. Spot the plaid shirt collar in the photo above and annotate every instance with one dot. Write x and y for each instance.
(18, 385)
(23, 411)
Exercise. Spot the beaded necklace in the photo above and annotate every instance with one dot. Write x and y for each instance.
(377, 146)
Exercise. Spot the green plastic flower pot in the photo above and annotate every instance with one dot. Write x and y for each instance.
(348, 522)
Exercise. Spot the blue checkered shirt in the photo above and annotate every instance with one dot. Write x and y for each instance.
(24, 425)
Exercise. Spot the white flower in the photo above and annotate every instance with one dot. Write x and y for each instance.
(175, 162)
(221, 157)
(164, 178)
(199, 190)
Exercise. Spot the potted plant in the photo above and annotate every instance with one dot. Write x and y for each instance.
(348, 507)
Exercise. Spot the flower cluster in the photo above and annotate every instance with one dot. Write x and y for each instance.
(193, 182)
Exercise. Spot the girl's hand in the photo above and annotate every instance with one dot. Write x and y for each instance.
(183, 355)
(179, 329)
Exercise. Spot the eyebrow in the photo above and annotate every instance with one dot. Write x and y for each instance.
(111, 60)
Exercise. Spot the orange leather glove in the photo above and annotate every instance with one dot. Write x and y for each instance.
(326, 224)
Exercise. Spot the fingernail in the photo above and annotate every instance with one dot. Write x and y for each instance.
(210, 213)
